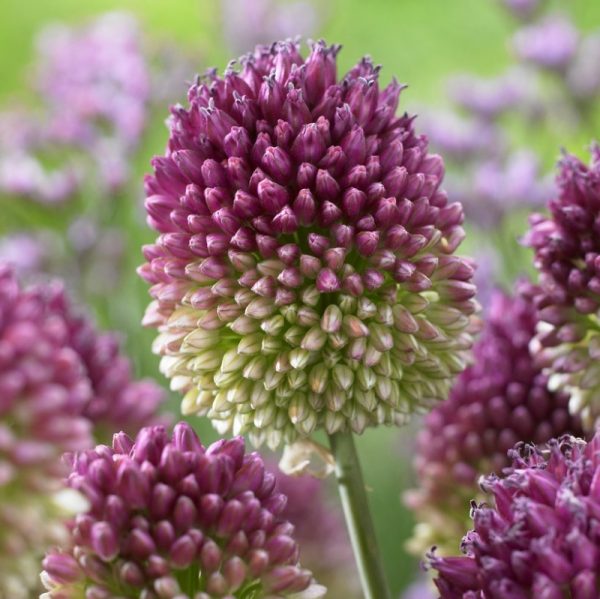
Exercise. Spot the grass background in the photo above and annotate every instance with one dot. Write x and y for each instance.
(419, 41)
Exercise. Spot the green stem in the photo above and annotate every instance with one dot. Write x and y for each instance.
(358, 517)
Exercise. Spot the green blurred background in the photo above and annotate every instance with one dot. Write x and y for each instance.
(421, 42)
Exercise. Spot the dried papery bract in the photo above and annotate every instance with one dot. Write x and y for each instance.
(305, 274)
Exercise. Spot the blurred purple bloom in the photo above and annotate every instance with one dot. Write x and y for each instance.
(489, 98)
(486, 277)
(458, 138)
(501, 399)
(550, 43)
(97, 76)
(495, 188)
(540, 539)
(321, 534)
(169, 518)
(583, 75)
(247, 23)
(25, 252)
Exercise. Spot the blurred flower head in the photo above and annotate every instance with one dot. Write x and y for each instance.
(583, 76)
(169, 518)
(496, 188)
(305, 274)
(501, 399)
(99, 73)
(540, 539)
(321, 533)
(567, 256)
(43, 393)
(62, 383)
(550, 43)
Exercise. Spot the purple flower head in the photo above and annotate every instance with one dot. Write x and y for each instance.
(551, 43)
(567, 256)
(24, 140)
(489, 98)
(99, 73)
(171, 519)
(305, 275)
(501, 399)
(498, 187)
(321, 534)
(43, 391)
(461, 139)
(540, 538)
(62, 383)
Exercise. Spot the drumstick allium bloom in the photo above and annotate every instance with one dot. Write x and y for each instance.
(171, 519)
(305, 274)
(539, 538)
(502, 398)
(567, 256)
(62, 384)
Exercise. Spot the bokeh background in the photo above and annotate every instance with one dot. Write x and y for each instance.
(421, 42)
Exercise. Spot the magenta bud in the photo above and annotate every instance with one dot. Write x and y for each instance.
(327, 281)
(182, 552)
(272, 197)
(104, 541)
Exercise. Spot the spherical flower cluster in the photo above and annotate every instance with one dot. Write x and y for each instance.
(43, 392)
(61, 384)
(541, 538)
(501, 399)
(567, 256)
(171, 519)
(305, 274)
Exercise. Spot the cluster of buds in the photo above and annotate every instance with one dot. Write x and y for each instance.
(61, 384)
(541, 538)
(305, 274)
(501, 399)
(567, 256)
(170, 519)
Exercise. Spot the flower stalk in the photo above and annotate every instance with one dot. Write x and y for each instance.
(358, 517)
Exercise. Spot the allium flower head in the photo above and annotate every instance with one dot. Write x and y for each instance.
(171, 519)
(43, 391)
(501, 399)
(567, 255)
(62, 383)
(540, 539)
(305, 273)
(551, 43)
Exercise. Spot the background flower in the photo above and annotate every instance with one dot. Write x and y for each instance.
(503, 398)
(540, 537)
